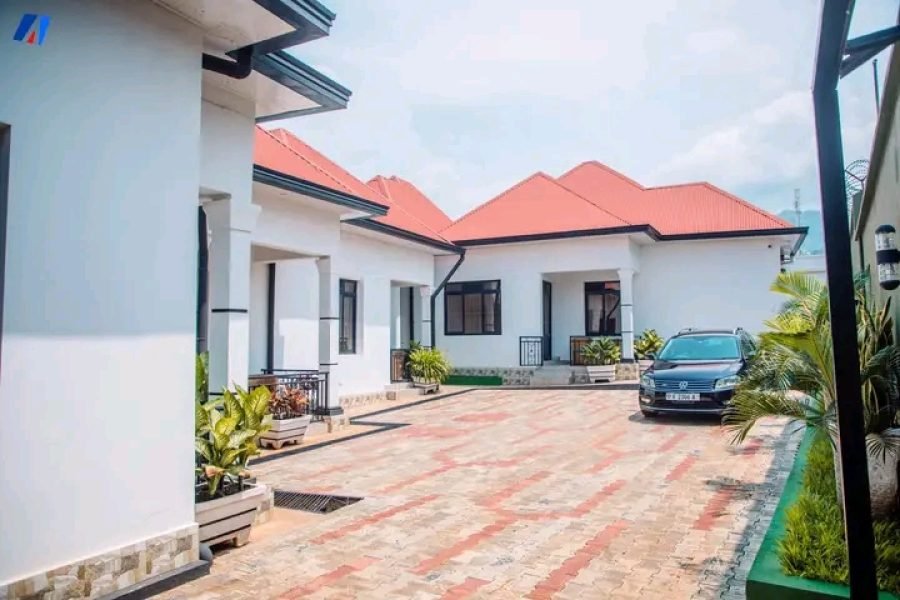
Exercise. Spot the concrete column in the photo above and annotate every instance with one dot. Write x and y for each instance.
(396, 318)
(627, 310)
(329, 312)
(424, 313)
(231, 222)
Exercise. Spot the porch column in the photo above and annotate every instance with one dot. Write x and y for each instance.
(425, 318)
(396, 318)
(329, 333)
(627, 310)
(231, 223)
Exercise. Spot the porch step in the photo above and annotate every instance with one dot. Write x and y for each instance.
(558, 374)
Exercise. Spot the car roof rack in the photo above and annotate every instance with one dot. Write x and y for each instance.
(688, 330)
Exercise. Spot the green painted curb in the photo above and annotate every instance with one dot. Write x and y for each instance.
(766, 581)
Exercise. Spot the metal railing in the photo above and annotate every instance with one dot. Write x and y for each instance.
(399, 364)
(531, 351)
(313, 383)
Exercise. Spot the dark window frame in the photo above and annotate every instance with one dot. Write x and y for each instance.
(5, 142)
(598, 288)
(350, 347)
(498, 311)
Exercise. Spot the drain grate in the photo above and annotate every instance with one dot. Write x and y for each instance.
(316, 503)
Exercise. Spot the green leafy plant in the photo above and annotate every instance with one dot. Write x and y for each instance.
(813, 545)
(649, 343)
(201, 377)
(225, 436)
(429, 365)
(602, 351)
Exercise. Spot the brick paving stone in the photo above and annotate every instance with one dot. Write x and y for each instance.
(516, 493)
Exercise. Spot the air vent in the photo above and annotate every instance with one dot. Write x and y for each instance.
(315, 503)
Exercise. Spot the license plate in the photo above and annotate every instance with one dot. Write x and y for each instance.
(676, 397)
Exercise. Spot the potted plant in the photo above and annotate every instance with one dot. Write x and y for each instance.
(600, 356)
(225, 439)
(289, 407)
(428, 368)
(646, 347)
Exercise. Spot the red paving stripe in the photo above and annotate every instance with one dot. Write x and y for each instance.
(483, 417)
(432, 431)
(464, 544)
(416, 479)
(609, 439)
(714, 509)
(558, 579)
(592, 502)
(606, 462)
(327, 579)
(509, 491)
(750, 449)
(681, 468)
(672, 442)
(464, 589)
(371, 519)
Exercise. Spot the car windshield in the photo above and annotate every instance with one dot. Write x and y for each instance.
(701, 347)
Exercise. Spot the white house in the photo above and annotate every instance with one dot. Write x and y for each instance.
(552, 262)
(117, 121)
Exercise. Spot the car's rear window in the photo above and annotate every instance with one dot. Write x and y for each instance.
(701, 347)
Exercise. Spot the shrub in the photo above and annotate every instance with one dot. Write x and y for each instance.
(428, 364)
(602, 351)
(288, 403)
(648, 343)
(813, 545)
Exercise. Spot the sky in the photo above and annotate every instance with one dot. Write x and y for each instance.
(465, 98)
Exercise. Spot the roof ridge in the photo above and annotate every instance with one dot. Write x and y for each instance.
(395, 205)
(496, 198)
(591, 202)
(727, 194)
(418, 191)
(303, 158)
(606, 168)
(384, 191)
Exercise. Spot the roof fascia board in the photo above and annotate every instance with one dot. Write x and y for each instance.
(406, 235)
(296, 185)
(302, 79)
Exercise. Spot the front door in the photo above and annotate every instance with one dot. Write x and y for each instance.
(548, 320)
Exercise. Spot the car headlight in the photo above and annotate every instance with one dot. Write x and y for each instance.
(647, 382)
(726, 382)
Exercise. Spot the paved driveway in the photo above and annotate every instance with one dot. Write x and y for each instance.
(516, 494)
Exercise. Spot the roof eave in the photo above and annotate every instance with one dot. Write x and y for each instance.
(299, 77)
(405, 235)
(310, 19)
(296, 185)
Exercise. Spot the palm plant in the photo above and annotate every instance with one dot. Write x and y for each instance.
(792, 374)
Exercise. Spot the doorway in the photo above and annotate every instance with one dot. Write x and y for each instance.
(547, 345)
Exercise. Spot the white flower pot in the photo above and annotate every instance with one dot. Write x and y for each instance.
(601, 372)
(285, 431)
(883, 482)
(230, 517)
(426, 385)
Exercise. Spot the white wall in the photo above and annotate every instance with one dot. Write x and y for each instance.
(814, 264)
(259, 306)
(296, 226)
(520, 269)
(226, 151)
(721, 283)
(375, 264)
(98, 337)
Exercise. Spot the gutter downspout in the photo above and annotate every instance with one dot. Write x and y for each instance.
(438, 290)
(240, 68)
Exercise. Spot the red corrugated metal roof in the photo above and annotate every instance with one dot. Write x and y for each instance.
(282, 151)
(537, 205)
(412, 199)
(676, 209)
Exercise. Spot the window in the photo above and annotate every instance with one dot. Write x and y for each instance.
(472, 308)
(602, 312)
(347, 322)
(701, 347)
